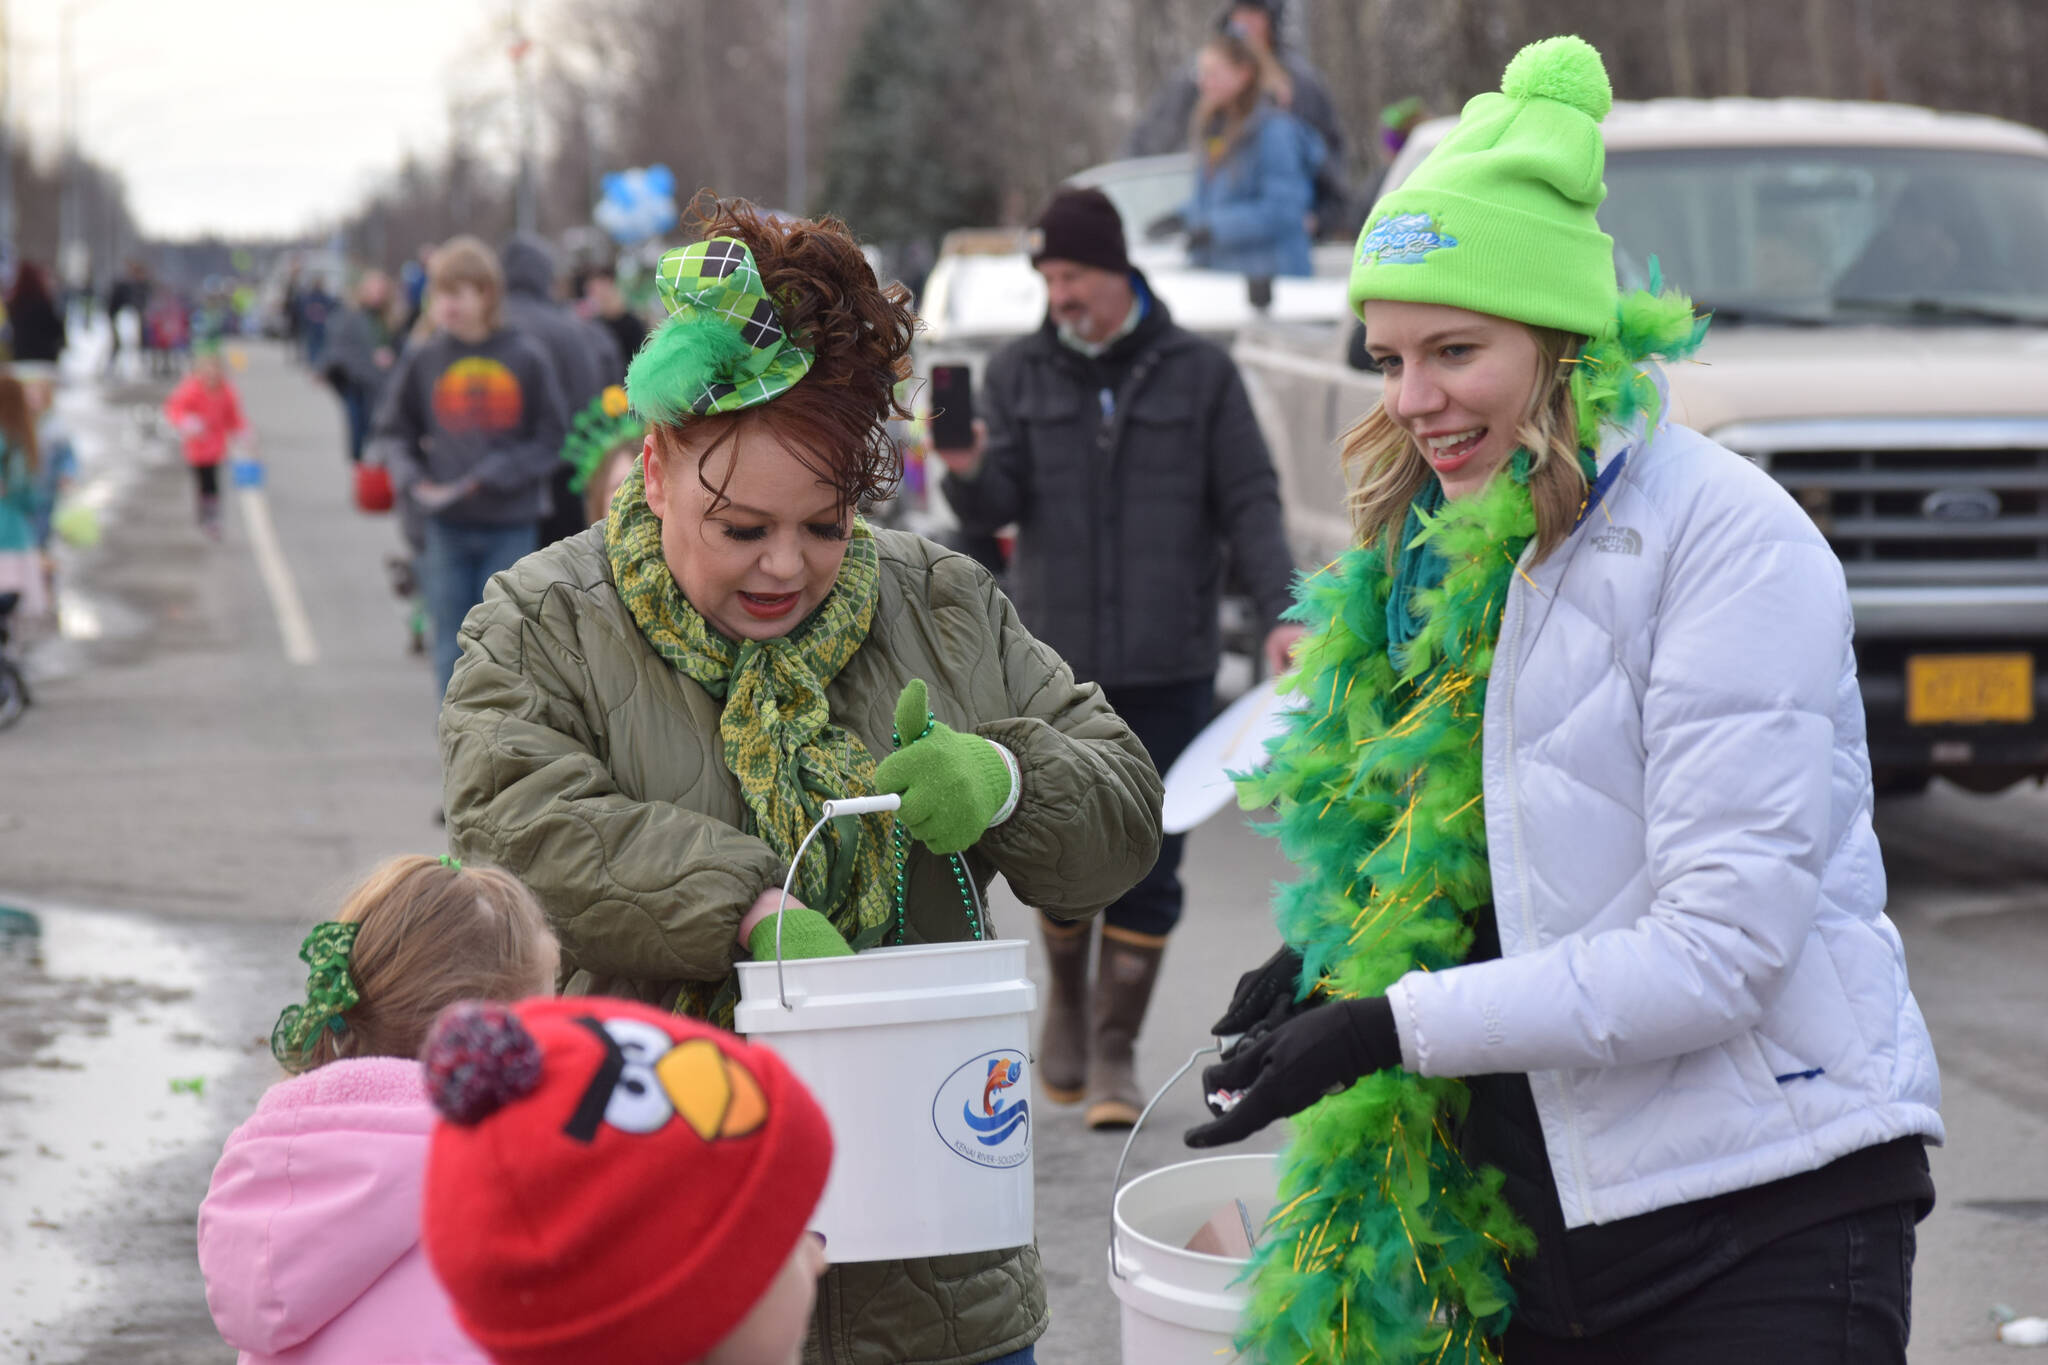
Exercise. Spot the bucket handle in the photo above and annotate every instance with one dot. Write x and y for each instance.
(831, 810)
(1115, 1263)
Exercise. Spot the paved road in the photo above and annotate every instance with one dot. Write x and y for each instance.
(185, 800)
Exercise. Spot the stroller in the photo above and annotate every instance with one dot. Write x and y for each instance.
(14, 698)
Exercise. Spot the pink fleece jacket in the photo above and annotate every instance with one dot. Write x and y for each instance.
(310, 1236)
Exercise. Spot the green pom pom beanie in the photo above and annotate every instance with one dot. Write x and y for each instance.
(1499, 218)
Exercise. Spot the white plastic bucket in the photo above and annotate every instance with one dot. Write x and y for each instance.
(1181, 1307)
(920, 1057)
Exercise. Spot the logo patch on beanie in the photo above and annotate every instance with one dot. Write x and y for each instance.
(647, 1078)
(1403, 239)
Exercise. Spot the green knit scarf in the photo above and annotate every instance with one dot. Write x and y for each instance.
(779, 737)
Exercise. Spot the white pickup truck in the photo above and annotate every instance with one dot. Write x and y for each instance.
(1878, 276)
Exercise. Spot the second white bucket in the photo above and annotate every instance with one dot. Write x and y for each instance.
(1182, 1307)
(920, 1057)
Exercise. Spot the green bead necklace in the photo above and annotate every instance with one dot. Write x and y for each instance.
(959, 865)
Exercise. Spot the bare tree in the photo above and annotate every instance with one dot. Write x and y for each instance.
(1028, 91)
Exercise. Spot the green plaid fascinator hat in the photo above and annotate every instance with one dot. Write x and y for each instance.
(723, 347)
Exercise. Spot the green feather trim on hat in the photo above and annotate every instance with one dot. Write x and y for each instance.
(674, 365)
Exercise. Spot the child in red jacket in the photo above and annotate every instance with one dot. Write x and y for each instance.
(208, 416)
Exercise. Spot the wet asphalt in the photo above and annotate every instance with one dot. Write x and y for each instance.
(183, 802)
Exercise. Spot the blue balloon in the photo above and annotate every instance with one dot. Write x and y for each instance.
(637, 203)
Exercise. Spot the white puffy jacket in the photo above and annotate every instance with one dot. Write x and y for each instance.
(1697, 971)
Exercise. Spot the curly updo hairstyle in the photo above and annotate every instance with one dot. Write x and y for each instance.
(834, 421)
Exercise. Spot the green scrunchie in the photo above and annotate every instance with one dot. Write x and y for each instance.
(954, 786)
(330, 992)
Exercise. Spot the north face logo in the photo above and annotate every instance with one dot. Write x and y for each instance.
(1619, 540)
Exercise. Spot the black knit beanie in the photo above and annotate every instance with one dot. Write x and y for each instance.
(1082, 226)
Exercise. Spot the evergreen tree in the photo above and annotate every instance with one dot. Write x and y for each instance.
(901, 164)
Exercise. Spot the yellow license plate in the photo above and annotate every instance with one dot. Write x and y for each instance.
(1969, 689)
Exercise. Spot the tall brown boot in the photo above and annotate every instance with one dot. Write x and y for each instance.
(1123, 988)
(1063, 1041)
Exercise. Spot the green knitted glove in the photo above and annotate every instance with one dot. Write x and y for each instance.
(805, 933)
(953, 786)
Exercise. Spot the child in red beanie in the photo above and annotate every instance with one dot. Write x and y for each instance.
(611, 1183)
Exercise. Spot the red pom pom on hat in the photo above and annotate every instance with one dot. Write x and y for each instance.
(633, 1202)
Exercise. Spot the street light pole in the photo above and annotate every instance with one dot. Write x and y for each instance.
(796, 190)
(68, 226)
(7, 218)
(67, 152)
(525, 210)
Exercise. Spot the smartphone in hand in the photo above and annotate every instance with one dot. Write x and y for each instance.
(952, 401)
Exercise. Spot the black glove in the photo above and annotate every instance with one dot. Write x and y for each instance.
(1168, 225)
(1308, 1057)
(1264, 998)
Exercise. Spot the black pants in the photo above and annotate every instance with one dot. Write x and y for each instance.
(208, 478)
(1165, 718)
(1839, 1293)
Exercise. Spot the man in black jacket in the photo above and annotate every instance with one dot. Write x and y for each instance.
(1124, 449)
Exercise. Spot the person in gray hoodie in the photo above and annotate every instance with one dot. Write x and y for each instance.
(584, 355)
(471, 428)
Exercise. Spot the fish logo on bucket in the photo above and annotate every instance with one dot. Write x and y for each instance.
(977, 1114)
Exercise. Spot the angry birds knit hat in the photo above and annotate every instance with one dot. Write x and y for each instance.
(1500, 217)
(608, 1182)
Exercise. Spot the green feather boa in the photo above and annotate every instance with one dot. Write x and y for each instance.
(1385, 1245)
(1382, 1227)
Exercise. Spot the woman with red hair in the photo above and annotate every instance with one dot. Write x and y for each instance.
(647, 717)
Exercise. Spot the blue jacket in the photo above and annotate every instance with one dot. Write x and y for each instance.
(1255, 203)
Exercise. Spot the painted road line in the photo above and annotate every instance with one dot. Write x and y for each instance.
(299, 646)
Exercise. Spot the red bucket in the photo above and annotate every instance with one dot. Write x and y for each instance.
(373, 488)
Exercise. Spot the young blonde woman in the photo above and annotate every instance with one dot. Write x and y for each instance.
(1599, 1043)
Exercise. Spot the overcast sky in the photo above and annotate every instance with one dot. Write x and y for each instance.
(252, 116)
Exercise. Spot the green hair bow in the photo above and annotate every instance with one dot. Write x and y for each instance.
(330, 991)
(723, 347)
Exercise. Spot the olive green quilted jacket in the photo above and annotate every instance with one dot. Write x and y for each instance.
(576, 758)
